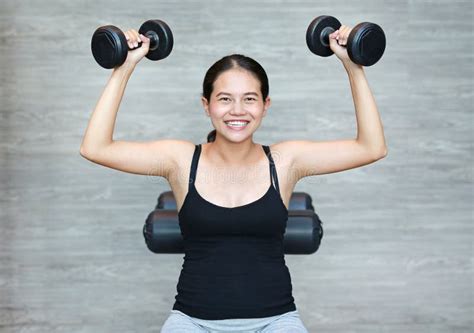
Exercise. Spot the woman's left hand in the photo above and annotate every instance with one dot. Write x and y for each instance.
(338, 41)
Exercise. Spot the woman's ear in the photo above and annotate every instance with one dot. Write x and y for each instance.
(205, 104)
(266, 106)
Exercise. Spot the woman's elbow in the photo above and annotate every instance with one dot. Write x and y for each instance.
(84, 152)
(381, 153)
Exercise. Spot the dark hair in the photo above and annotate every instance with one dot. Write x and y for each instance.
(229, 62)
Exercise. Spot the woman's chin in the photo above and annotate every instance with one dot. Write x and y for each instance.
(236, 137)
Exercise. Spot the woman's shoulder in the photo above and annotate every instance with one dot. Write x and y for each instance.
(183, 148)
(282, 152)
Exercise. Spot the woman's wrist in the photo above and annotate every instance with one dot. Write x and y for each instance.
(352, 67)
(125, 68)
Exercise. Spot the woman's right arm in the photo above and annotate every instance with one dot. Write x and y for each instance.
(156, 158)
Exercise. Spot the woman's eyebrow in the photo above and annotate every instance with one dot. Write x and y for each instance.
(222, 93)
(246, 94)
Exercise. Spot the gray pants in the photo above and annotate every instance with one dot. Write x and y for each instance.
(179, 322)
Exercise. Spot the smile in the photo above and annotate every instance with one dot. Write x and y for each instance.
(236, 125)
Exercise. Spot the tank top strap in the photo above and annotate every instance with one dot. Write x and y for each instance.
(194, 163)
(273, 173)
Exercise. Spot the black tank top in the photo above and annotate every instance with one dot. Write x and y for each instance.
(234, 264)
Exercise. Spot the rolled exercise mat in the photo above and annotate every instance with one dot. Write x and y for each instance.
(303, 234)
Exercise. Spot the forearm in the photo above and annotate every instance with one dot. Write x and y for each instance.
(369, 125)
(99, 132)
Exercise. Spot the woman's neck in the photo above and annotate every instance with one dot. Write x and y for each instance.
(227, 153)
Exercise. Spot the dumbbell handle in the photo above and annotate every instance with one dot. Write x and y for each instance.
(325, 35)
(154, 40)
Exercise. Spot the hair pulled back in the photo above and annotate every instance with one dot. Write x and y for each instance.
(229, 62)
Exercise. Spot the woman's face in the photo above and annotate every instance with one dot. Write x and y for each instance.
(236, 106)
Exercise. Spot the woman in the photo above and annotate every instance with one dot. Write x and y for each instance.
(234, 276)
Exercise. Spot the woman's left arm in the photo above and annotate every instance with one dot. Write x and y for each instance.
(308, 158)
(369, 125)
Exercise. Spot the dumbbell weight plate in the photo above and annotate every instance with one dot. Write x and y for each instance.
(366, 43)
(109, 46)
(317, 34)
(162, 38)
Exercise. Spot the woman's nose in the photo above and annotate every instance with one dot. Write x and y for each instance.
(238, 108)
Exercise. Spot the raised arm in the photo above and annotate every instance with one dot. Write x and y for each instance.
(321, 157)
(147, 158)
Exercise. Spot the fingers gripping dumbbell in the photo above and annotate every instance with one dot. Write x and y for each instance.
(109, 44)
(365, 44)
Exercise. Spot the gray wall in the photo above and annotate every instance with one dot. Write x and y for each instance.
(397, 251)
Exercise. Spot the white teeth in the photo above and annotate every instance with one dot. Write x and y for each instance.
(236, 123)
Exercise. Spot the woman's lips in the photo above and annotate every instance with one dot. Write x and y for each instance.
(238, 127)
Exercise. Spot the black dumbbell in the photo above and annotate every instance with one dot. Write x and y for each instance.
(109, 45)
(365, 44)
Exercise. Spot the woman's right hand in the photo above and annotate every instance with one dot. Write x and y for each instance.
(133, 38)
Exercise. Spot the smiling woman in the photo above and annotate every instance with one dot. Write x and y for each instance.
(234, 67)
(234, 273)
